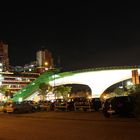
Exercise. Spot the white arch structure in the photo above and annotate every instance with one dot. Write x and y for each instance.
(98, 81)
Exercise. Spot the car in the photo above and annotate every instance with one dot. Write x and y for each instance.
(96, 102)
(82, 104)
(1, 106)
(119, 105)
(16, 107)
(61, 104)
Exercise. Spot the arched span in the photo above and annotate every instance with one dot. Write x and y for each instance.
(98, 79)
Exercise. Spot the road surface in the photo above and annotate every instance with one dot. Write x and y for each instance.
(67, 126)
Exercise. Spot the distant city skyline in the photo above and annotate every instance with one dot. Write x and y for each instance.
(43, 61)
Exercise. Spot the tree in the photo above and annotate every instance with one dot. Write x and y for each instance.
(45, 88)
(119, 91)
(4, 90)
(62, 91)
(136, 88)
(133, 88)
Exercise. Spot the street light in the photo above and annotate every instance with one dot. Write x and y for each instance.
(46, 63)
(54, 76)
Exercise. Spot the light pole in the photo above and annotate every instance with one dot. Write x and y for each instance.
(54, 84)
(55, 71)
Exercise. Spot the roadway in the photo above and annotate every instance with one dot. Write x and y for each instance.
(67, 126)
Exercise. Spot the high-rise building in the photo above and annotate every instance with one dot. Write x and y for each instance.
(4, 59)
(44, 60)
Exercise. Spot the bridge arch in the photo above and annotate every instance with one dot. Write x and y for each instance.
(98, 79)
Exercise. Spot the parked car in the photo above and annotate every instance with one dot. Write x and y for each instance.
(96, 102)
(16, 107)
(82, 103)
(60, 104)
(121, 105)
(44, 105)
(1, 106)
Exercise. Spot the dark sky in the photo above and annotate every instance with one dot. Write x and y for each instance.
(82, 35)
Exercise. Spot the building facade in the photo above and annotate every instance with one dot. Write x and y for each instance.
(13, 82)
(4, 59)
(44, 60)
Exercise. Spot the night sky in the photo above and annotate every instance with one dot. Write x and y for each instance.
(82, 35)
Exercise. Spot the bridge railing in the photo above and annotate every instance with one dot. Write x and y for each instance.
(107, 68)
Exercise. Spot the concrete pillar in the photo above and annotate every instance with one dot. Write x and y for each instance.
(135, 77)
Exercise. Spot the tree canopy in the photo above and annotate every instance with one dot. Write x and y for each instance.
(62, 91)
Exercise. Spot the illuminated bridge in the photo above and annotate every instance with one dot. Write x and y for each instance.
(98, 79)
